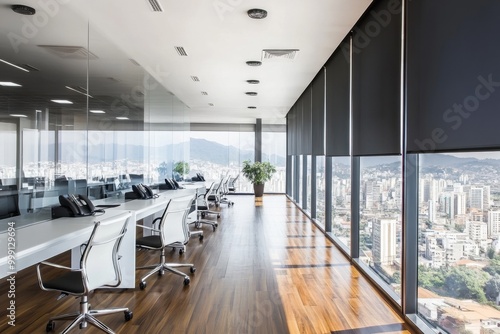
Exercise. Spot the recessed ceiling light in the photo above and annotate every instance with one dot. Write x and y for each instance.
(18, 115)
(257, 13)
(97, 111)
(253, 82)
(9, 84)
(251, 93)
(122, 118)
(24, 10)
(254, 63)
(252, 107)
(62, 101)
(19, 67)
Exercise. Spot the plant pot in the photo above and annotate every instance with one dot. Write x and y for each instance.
(258, 190)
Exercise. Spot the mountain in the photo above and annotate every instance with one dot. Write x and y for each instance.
(199, 149)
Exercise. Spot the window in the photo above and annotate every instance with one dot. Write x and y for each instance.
(341, 200)
(320, 190)
(380, 218)
(274, 151)
(459, 230)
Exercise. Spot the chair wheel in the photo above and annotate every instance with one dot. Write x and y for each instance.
(181, 251)
(203, 214)
(201, 237)
(128, 315)
(218, 216)
(51, 325)
(192, 270)
(142, 285)
(214, 227)
(186, 281)
(161, 272)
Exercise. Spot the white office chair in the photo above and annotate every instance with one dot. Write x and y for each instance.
(99, 267)
(171, 232)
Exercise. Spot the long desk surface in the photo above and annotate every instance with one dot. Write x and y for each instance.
(35, 242)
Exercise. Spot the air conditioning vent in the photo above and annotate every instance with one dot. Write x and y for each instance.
(204, 93)
(180, 50)
(69, 52)
(195, 78)
(279, 54)
(155, 6)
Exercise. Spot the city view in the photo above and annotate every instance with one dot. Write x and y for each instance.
(459, 232)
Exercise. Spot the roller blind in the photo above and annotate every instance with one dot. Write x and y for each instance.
(291, 134)
(376, 81)
(453, 76)
(337, 115)
(318, 113)
(306, 121)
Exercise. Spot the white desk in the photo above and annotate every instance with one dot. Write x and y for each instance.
(40, 241)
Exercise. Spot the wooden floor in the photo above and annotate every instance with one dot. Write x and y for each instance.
(267, 269)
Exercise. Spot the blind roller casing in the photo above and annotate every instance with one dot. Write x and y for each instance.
(318, 113)
(337, 108)
(453, 75)
(376, 81)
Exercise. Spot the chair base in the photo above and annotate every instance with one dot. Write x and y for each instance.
(161, 268)
(86, 316)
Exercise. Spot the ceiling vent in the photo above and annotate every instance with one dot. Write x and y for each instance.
(180, 50)
(279, 54)
(211, 104)
(69, 52)
(155, 6)
(195, 78)
(204, 93)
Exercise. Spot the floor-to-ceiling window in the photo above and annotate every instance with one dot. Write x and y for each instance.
(380, 222)
(274, 151)
(341, 200)
(217, 154)
(320, 190)
(459, 230)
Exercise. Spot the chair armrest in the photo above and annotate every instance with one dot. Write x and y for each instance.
(53, 265)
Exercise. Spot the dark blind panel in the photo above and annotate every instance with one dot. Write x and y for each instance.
(307, 122)
(298, 126)
(318, 113)
(453, 78)
(289, 132)
(337, 101)
(376, 81)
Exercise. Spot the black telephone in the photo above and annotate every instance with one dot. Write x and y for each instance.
(77, 205)
(143, 191)
(172, 184)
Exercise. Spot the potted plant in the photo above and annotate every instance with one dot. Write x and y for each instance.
(181, 168)
(258, 173)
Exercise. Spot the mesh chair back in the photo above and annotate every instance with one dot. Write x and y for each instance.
(100, 258)
(173, 227)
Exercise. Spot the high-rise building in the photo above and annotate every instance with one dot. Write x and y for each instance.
(432, 211)
(384, 241)
(476, 198)
(493, 223)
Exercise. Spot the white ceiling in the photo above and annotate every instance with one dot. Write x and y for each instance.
(218, 37)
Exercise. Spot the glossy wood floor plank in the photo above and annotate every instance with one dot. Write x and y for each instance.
(267, 269)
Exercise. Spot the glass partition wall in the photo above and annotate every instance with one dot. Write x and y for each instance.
(78, 115)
